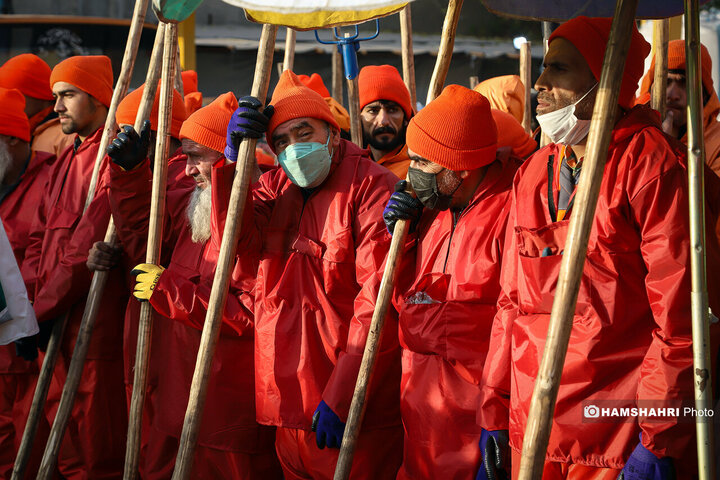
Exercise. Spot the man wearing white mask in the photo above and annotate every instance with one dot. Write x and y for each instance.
(315, 225)
(630, 344)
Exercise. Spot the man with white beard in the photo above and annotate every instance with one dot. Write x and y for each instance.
(230, 440)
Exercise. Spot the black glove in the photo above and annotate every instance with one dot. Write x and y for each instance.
(129, 149)
(402, 206)
(246, 122)
(27, 348)
(495, 455)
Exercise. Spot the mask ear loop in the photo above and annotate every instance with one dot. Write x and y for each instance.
(327, 143)
(586, 93)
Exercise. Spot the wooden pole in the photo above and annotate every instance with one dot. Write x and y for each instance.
(354, 109)
(142, 353)
(525, 76)
(387, 285)
(661, 29)
(337, 76)
(289, 58)
(547, 31)
(542, 405)
(178, 83)
(218, 294)
(447, 42)
(474, 80)
(698, 295)
(408, 57)
(58, 330)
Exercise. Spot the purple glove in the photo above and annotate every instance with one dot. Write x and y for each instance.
(327, 426)
(402, 206)
(494, 449)
(246, 122)
(644, 465)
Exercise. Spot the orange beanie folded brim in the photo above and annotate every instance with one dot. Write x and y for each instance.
(29, 74)
(590, 37)
(128, 108)
(456, 130)
(208, 125)
(505, 93)
(13, 121)
(383, 82)
(293, 99)
(512, 134)
(90, 73)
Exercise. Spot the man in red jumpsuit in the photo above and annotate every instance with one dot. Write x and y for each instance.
(54, 270)
(22, 185)
(316, 226)
(231, 444)
(447, 302)
(631, 339)
(385, 110)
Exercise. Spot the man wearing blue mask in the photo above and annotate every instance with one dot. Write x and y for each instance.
(315, 225)
(630, 345)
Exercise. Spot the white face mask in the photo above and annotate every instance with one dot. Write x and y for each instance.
(562, 126)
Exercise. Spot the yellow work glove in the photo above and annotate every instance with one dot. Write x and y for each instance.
(147, 278)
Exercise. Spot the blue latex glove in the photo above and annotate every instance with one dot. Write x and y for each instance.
(402, 206)
(327, 426)
(644, 465)
(246, 122)
(495, 453)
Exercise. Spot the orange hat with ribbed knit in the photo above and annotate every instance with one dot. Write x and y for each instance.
(511, 134)
(128, 107)
(383, 82)
(315, 83)
(506, 93)
(676, 61)
(208, 126)
(456, 130)
(90, 73)
(13, 121)
(293, 99)
(29, 74)
(590, 36)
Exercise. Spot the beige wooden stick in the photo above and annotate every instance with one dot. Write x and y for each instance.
(178, 75)
(447, 42)
(408, 57)
(142, 352)
(547, 383)
(74, 375)
(661, 32)
(354, 112)
(221, 281)
(474, 80)
(337, 75)
(289, 58)
(525, 76)
(121, 87)
(385, 291)
(702, 366)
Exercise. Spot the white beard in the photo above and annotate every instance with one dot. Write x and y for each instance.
(6, 161)
(198, 213)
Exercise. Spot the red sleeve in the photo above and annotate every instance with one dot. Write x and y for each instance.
(372, 243)
(660, 208)
(70, 279)
(494, 401)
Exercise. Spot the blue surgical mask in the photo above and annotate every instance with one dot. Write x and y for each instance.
(306, 164)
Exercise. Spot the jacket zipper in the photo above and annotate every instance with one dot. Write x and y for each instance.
(455, 217)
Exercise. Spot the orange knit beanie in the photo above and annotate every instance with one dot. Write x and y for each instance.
(315, 83)
(190, 81)
(512, 134)
(208, 126)
(506, 93)
(90, 73)
(292, 99)
(29, 74)
(13, 121)
(128, 107)
(590, 36)
(456, 130)
(383, 82)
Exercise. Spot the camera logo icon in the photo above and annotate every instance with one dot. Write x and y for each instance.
(591, 411)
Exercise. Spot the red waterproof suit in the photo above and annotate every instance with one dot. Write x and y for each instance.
(321, 261)
(631, 338)
(54, 266)
(456, 263)
(18, 376)
(231, 443)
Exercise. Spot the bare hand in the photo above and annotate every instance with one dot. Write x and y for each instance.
(667, 124)
(102, 257)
